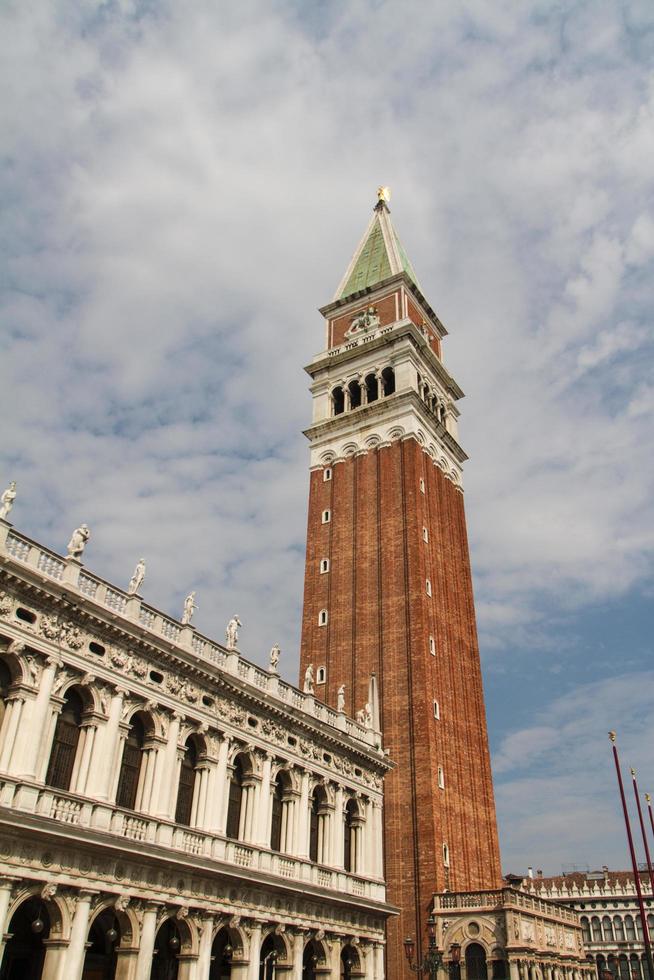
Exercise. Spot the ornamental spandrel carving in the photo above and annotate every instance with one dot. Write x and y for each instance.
(6, 603)
(52, 627)
(182, 688)
(62, 677)
(33, 668)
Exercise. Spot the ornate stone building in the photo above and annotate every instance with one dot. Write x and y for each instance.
(168, 810)
(509, 934)
(388, 587)
(607, 905)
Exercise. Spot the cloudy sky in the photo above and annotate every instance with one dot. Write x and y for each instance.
(183, 185)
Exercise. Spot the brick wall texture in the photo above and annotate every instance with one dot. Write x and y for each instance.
(380, 621)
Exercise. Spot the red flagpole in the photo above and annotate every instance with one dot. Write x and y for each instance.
(649, 807)
(634, 864)
(642, 830)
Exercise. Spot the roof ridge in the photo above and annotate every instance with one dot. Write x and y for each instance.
(378, 255)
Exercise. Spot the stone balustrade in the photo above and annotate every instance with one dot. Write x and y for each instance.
(90, 588)
(89, 814)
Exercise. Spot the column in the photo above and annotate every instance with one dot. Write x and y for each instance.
(13, 712)
(325, 821)
(338, 830)
(289, 817)
(204, 956)
(79, 755)
(37, 722)
(262, 834)
(79, 785)
(6, 885)
(255, 951)
(166, 774)
(247, 821)
(378, 954)
(108, 751)
(376, 833)
(74, 960)
(298, 952)
(51, 724)
(302, 823)
(146, 945)
(219, 791)
(198, 809)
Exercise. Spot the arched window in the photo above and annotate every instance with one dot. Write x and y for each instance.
(130, 766)
(585, 929)
(104, 937)
(5, 684)
(272, 950)
(388, 381)
(313, 955)
(618, 928)
(235, 799)
(64, 745)
(372, 388)
(354, 389)
(629, 928)
(350, 963)
(607, 929)
(596, 929)
(221, 956)
(476, 962)
(623, 964)
(25, 950)
(634, 964)
(318, 826)
(167, 945)
(338, 401)
(186, 786)
(350, 832)
(276, 817)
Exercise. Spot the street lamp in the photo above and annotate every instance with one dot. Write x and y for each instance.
(455, 960)
(433, 958)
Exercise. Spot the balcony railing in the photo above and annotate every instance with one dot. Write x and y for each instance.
(135, 611)
(21, 797)
(497, 898)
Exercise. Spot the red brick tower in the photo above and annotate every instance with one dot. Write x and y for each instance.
(388, 588)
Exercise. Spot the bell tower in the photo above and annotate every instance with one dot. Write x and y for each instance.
(388, 587)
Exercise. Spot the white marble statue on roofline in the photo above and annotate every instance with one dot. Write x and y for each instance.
(136, 580)
(364, 715)
(340, 698)
(7, 500)
(78, 540)
(231, 632)
(275, 654)
(190, 606)
(308, 680)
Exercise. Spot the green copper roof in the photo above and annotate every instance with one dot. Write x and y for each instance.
(406, 264)
(380, 254)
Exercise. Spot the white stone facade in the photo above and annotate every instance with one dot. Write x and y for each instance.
(254, 822)
(507, 934)
(421, 404)
(607, 905)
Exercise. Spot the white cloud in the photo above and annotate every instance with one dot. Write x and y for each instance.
(556, 786)
(182, 190)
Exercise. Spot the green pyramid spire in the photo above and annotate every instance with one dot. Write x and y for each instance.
(379, 255)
